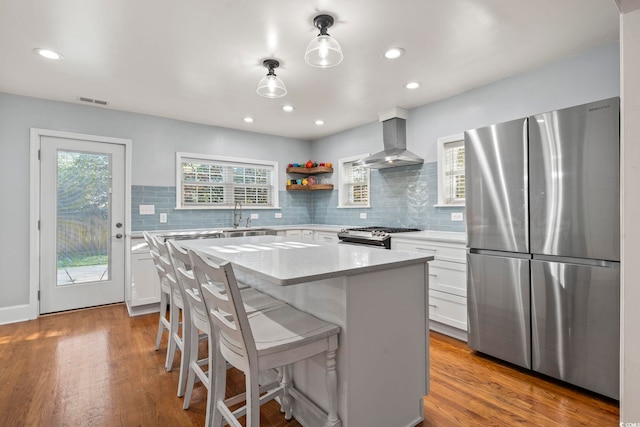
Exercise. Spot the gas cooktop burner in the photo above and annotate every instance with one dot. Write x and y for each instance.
(384, 229)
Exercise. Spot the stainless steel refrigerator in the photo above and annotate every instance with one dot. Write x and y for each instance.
(543, 231)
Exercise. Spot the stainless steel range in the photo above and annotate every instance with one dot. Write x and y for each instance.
(372, 236)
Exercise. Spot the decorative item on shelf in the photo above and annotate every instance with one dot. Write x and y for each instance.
(311, 180)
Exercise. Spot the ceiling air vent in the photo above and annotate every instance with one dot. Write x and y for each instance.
(92, 101)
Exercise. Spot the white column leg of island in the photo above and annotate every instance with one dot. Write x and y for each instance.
(383, 353)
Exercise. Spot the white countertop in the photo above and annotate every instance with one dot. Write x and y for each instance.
(286, 261)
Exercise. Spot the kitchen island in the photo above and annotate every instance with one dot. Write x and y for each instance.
(377, 297)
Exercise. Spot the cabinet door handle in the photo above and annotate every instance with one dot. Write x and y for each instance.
(433, 305)
(433, 275)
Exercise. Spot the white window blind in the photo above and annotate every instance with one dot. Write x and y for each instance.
(354, 184)
(451, 177)
(220, 182)
(454, 180)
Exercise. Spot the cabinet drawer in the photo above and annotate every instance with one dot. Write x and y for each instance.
(326, 237)
(448, 277)
(448, 309)
(441, 251)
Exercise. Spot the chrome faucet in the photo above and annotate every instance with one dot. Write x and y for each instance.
(237, 214)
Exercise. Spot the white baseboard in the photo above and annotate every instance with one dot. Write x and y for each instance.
(14, 314)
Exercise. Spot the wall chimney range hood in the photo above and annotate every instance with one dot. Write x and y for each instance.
(394, 136)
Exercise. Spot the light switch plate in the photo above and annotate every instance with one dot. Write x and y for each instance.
(278, 214)
(163, 218)
(255, 216)
(147, 209)
(363, 215)
(457, 216)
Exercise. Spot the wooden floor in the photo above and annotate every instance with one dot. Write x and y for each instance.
(98, 367)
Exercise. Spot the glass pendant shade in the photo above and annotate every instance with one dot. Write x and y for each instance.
(323, 51)
(271, 86)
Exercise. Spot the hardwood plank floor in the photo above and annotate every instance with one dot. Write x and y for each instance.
(98, 367)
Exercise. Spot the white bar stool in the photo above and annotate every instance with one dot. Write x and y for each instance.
(165, 289)
(196, 318)
(275, 337)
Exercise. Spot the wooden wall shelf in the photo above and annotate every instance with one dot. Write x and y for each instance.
(296, 187)
(310, 171)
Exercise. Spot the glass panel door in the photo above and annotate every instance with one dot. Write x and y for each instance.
(83, 214)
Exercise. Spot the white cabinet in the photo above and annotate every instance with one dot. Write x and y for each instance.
(302, 234)
(326, 236)
(144, 294)
(447, 282)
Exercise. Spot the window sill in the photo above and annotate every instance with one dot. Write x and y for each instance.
(448, 206)
(229, 208)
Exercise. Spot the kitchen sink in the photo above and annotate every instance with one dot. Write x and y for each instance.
(249, 232)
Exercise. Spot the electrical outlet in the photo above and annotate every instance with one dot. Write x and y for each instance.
(255, 216)
(147, 209)
(163, 218)
(278, 214)
(457, 216)
(363, 215)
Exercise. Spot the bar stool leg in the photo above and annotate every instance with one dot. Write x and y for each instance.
(286, 402)
(332, 388)
(163, 315)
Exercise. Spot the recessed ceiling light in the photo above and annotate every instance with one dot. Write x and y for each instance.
(412, 85)
(49, 54)
(319, 122)
(248, 119)
(394, 52)
(287, 108)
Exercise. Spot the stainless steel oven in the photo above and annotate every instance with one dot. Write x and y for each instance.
(371, 236)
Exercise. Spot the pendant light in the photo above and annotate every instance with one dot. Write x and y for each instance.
(271, 86)
(323, 51)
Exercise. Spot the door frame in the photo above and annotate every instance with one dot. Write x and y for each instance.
(34, 208)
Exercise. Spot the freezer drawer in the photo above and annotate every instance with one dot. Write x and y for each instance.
(497, 195)
(576, 324)
(498, 298)
(574, 178)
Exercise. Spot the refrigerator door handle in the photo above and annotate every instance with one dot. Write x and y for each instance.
(498, 253)
(578, 261)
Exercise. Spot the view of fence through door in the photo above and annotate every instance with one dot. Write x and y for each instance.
(82, 245)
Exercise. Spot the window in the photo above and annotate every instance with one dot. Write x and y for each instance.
(354, 184)
(451, 180)
(209, 182)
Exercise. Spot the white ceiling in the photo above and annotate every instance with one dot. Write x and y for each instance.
(200, 60)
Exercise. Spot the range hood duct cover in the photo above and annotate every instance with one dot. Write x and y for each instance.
(395, 153)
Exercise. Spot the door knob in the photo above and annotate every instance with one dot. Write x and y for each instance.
(118, 236)
(118, 225)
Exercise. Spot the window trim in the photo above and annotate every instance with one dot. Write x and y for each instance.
(441, 172)
(210, 157)
(341, 182)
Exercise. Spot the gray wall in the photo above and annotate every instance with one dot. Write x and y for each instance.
(155, 141)
(581, 78)
(574, 80)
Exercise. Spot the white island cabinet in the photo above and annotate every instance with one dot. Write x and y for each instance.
(379, 300)
(447, 277)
